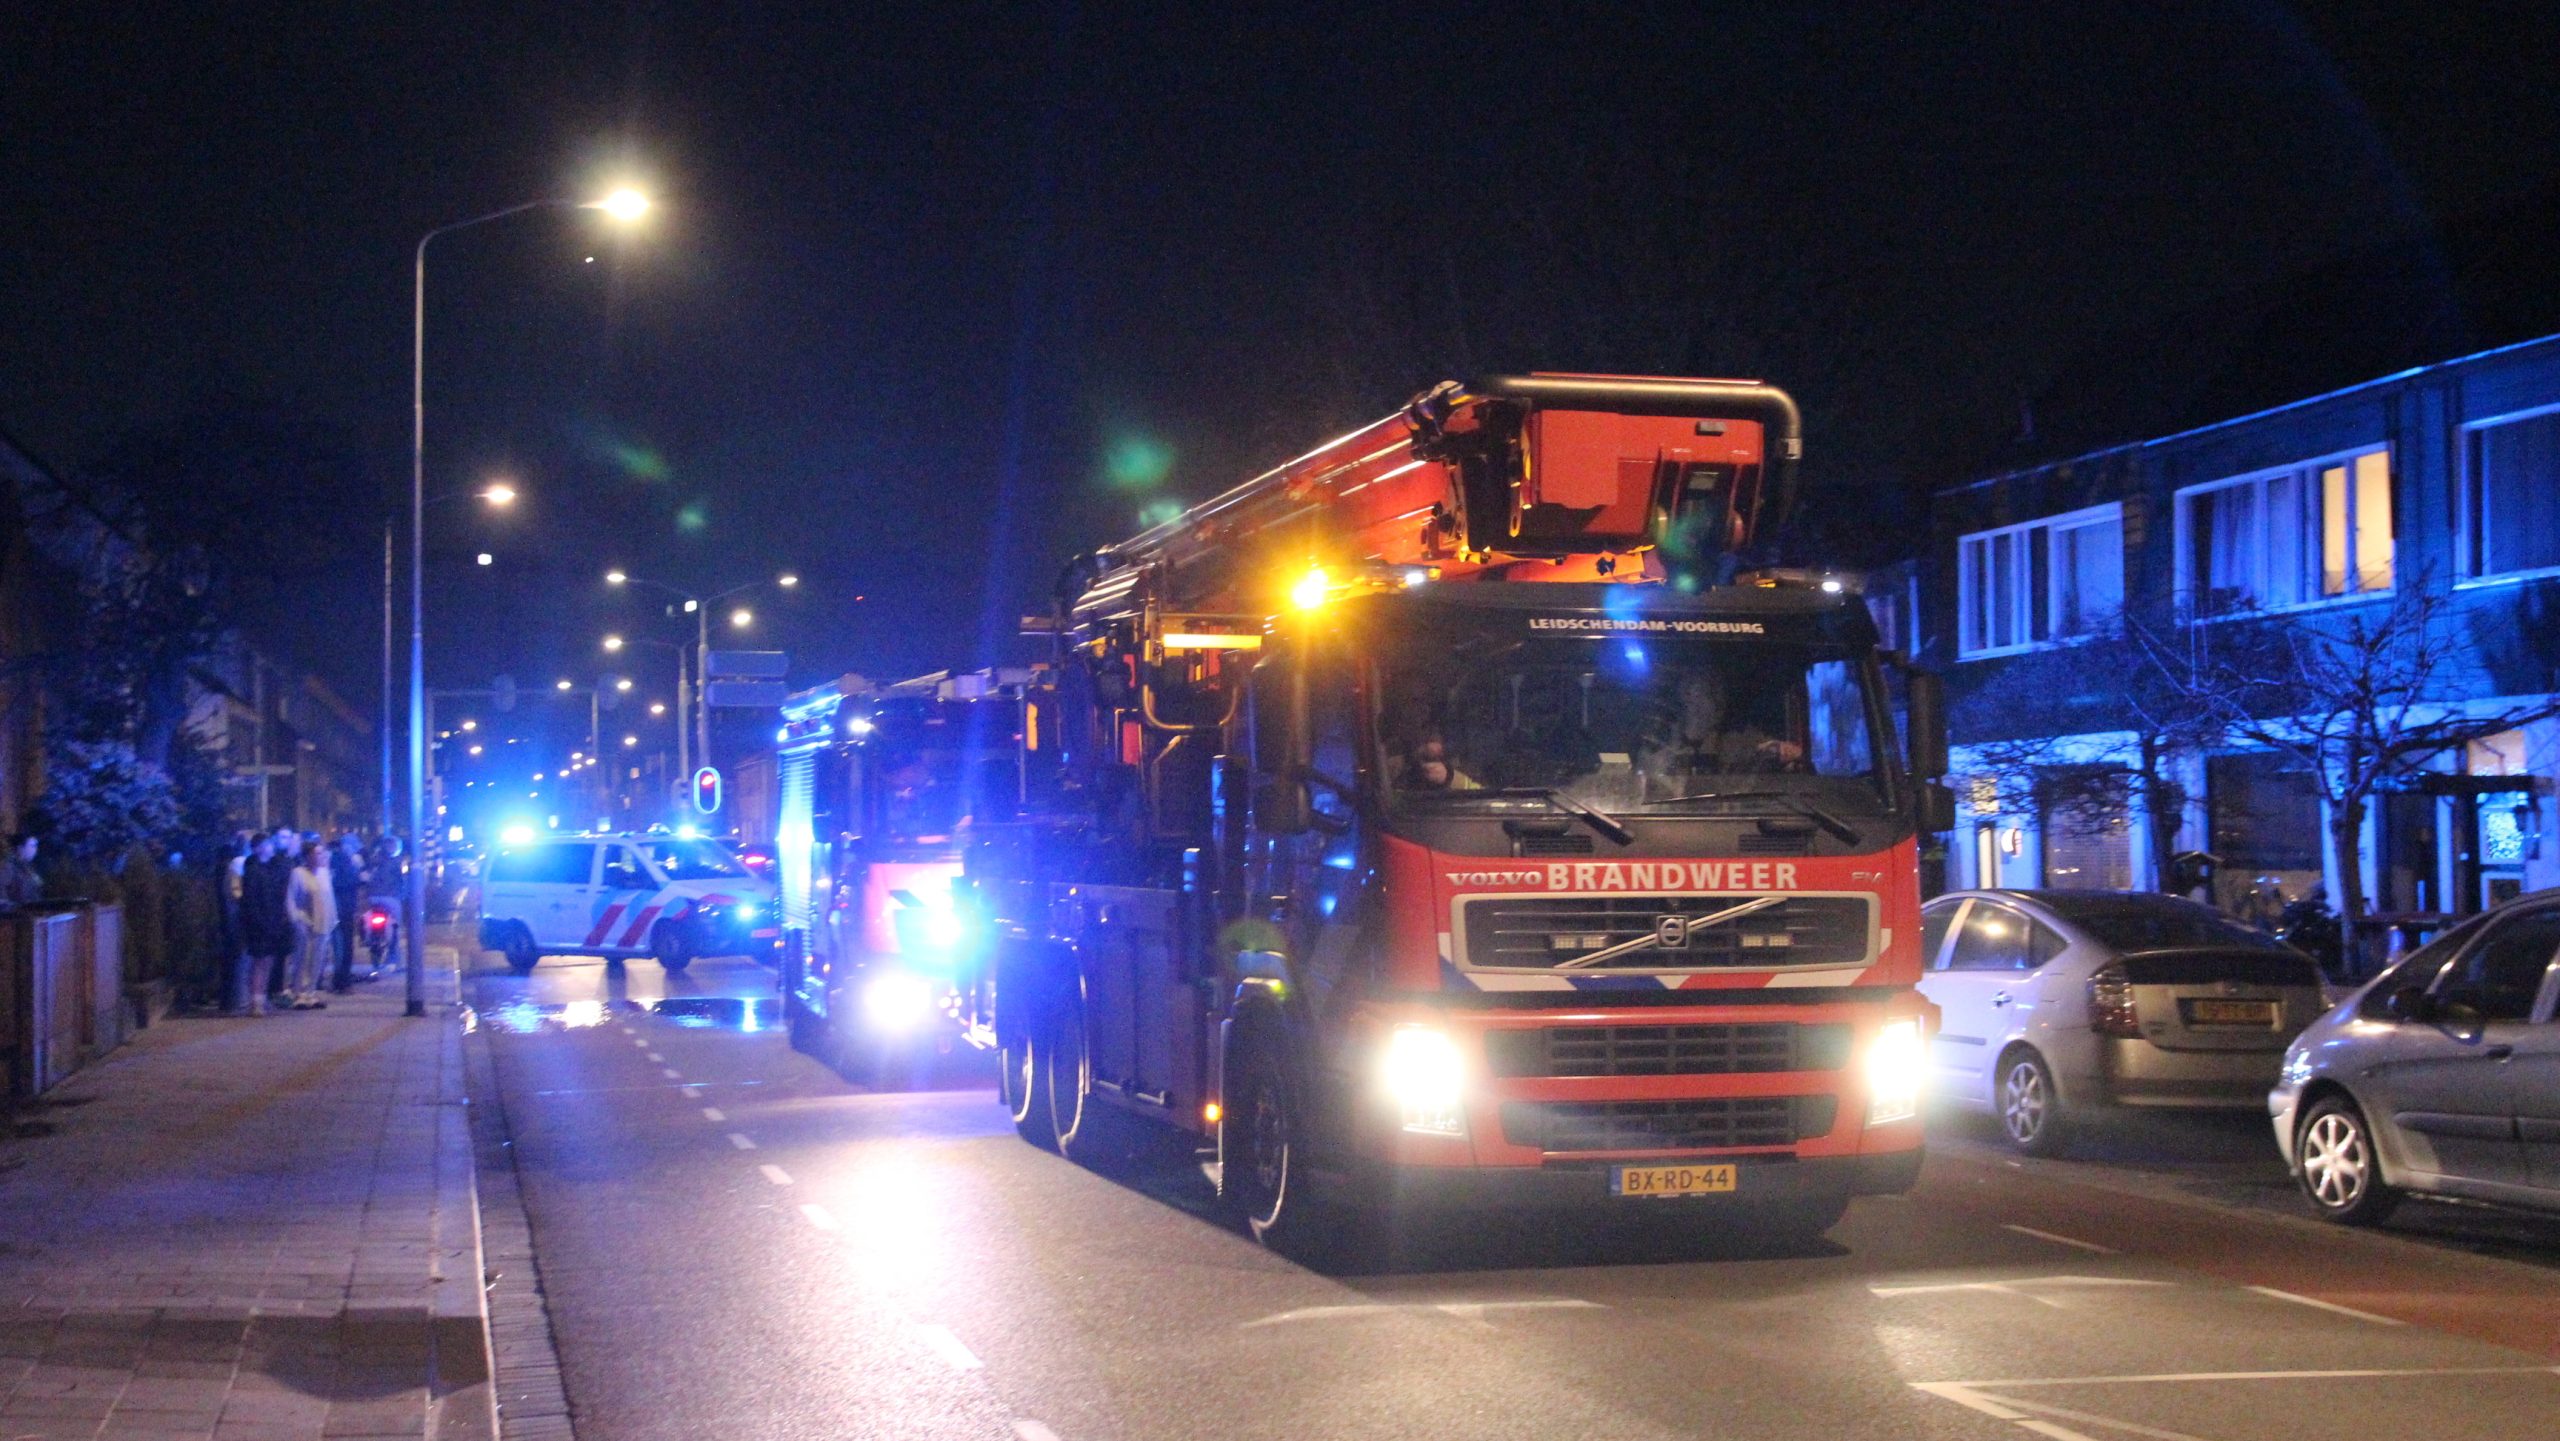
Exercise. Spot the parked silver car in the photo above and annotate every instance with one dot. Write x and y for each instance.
(2441, 1077)
(2056, 1002)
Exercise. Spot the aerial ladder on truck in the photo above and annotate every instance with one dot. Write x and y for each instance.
(1446, 816)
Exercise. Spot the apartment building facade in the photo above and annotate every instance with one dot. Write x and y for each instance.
(2445, 477)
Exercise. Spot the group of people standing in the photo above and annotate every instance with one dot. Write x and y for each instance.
(293, 904)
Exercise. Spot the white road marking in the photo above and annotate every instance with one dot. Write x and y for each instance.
(714, 1114)
(1966, 1396)
(776, 1175)
(742, 1141)
(643, 1045)
(661, 1060)
(693, 1093)
(1473, 1311)
(2330, 1306)
(2028, 1288)
(2020, 1382)
(1033, 1431)
(672, 1073)
(948, 1347)
(819, 1216)
(2061, 1240)
(2111, 1423)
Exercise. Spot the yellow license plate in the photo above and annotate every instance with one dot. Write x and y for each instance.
(2231, 1013)
(1695, 1180)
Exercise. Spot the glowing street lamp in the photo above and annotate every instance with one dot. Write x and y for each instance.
(741, 618)
(623, 205)
(613, 642)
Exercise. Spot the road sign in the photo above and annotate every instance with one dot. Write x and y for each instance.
(706, 790)
(746, 693)
(748, 664)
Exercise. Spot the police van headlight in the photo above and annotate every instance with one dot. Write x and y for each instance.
(1426, 1080)
(1896, 1064)
(746, 910)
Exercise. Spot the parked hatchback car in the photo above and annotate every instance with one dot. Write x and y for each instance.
(2058, 1003)
(623, 895)
(2441, 1077)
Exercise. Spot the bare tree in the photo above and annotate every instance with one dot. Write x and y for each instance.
(2363, 700)
(2137, 680)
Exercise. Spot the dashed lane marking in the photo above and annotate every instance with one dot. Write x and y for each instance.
(742, 1141)
(2031, 1288)
(2018, 1383)
(948, 1347)
(714, 1114)
(693, 1093)
(2331, 1307)
(1469, 1311)
(661, 1060)
(2062, 1240)
(1033, 1431)
(671, 1073)
(819, 1216)
(776, 1174)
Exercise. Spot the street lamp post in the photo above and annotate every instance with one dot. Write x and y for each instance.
(624, 205)
(700, 607)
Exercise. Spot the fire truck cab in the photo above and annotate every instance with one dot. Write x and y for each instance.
(1442, 819)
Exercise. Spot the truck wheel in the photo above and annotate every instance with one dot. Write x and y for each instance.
(1262, 1176)
(521, 952)
(1021, 1083)
(1066, 1074)
(672, 947)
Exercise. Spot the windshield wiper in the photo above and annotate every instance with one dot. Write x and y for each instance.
(1840, 830)
(1599, 820)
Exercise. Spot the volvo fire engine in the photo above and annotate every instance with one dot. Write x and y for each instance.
(1446, 817)
(877, 787)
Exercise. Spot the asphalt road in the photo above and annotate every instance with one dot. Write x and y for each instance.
(735, 1242)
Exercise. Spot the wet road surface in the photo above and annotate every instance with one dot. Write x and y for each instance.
(736, 1242)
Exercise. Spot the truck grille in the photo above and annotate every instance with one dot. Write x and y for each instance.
(1549, 933)
(1715, 1123)
(1704, 1050)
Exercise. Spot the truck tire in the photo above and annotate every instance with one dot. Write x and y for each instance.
(1065, 1083)
(1263, 1179)
(1022, 1084)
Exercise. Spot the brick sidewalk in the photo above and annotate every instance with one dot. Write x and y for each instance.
(250, 1230)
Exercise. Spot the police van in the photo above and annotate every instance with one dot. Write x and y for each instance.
(668, 897)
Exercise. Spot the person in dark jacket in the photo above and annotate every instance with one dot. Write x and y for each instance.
(20, 886)
(346, 875)
(266, 923)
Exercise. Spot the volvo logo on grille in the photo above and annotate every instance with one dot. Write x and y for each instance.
(1671, 933)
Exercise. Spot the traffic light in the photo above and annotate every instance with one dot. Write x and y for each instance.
(706, 791)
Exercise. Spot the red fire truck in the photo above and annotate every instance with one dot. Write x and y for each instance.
(1440, 817)
(875, 787)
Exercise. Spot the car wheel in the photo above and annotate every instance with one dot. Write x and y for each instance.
(2340, 1171)
(2030, 1110)
(521, 952)
(669, 943)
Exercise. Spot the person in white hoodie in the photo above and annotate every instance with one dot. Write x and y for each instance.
(312, 900)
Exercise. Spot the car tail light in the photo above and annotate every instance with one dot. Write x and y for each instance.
(376, 920)
(2111, 1010)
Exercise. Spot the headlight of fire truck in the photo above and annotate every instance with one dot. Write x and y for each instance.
(897, 1000)
(1426, 1080)
(1896, 1063)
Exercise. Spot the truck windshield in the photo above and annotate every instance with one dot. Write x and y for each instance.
(1623, 724)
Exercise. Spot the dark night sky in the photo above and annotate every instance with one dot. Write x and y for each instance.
(940, 293)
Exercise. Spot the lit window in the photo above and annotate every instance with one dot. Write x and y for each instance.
(2044, 581)
(2288, 537)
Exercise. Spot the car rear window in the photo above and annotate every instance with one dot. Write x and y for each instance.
(2156, 923)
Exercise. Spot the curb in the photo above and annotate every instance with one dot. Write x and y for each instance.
(462, 1391)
